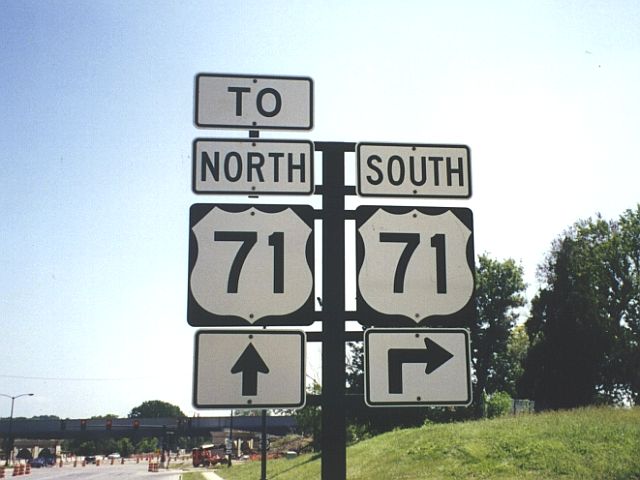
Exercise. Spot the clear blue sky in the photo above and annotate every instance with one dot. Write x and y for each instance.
(96, 127)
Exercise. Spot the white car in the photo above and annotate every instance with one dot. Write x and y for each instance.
(114, 455)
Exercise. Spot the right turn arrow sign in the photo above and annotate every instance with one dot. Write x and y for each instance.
(411, 367)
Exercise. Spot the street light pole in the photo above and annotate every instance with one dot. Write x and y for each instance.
(10, 443)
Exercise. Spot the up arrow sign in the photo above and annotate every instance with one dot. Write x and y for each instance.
(433, 355)
(249, 364)
(229, 362)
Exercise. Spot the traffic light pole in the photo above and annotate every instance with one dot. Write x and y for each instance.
(334, 436)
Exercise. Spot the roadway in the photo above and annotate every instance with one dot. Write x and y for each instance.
(123, 472)
(129, 470)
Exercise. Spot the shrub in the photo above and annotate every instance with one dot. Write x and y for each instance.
(498, 404)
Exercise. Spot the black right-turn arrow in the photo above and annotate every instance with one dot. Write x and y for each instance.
(433, 355)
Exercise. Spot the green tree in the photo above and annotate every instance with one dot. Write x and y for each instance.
(583, 323)
(155, 409)
(516, 355)
(309, 417)
(626, 287)
(499, 296)
(147, 445)
(125, 447)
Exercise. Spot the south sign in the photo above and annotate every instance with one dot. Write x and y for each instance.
(414, 170)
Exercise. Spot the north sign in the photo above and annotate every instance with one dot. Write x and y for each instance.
(252, 166)
(250, 265)
(414, 170)
(249, 369)
(254, 102)
(415, 265)
(413, 367)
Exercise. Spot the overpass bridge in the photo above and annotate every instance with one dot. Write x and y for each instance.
(141, 427)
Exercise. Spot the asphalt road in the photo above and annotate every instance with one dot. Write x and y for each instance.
(123, 472)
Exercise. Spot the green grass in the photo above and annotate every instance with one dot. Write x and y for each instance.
(593, 443)
(193, 476)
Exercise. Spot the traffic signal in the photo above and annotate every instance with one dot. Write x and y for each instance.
(109, 424)
(136, 424)
(83, 425)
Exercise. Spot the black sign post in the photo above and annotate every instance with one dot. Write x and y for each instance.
(334, 436)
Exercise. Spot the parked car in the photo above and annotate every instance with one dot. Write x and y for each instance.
(39, 462)
(90, 459)
(115, 456)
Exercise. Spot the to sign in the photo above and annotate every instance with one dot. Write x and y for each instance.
(254, 102)
(414, 170)
(250, 265)
(414, 264)
(249, 369)
(410, 367)
(252, 166)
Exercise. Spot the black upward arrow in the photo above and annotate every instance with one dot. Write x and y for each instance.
(433, 355)
(249, 364)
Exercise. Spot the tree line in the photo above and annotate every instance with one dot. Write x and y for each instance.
(584, 326)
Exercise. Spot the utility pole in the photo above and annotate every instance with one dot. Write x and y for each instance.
(10, 440)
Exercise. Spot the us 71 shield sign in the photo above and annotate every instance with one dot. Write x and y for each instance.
(415, 265)
(250, 265)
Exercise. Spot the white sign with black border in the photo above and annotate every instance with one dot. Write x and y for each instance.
(415, 265)
(250, 265)
(252, 166)
(254, 102)
(414, 170)
(249, 369)
(417, 366)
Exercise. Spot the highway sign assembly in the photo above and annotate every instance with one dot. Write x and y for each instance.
(415, 264)
(253, 265)
(252, 166)
(413, 367)
(254, 102)
(250, 265)
(249, 369)
(414, 170)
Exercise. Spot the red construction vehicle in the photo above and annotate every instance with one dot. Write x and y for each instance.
(207, 455)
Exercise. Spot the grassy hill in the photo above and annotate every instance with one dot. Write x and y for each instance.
(597, 443)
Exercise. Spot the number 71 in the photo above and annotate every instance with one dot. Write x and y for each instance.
(249, 239)
(412, 241)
